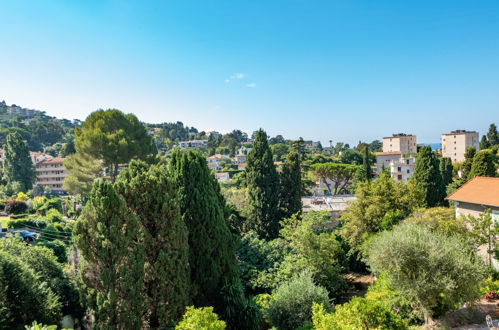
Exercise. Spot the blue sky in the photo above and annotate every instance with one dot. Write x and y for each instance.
(339, 70)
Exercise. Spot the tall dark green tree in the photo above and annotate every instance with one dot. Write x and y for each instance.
(365, 172)
(291, 188)
(446, 171)
(427, 176)
(468, 161)
(151, 193)
(17, 164)
(211, 245)
(263, 188)
(483, 165)
(492, 135)
(108, 236)
(484, 143)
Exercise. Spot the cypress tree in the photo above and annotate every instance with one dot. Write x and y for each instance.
(291, 186)
(17, 164)
(364, 172)
(427, 176)
(484, 143)
(263, 188)
(446, 171)
(468, 161)
(108, 238)
(492, 135)
(483, 165)
(151, 193)
(211, 245)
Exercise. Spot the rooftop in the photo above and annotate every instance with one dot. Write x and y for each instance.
(57, 160)
(459, 131)
(479, 190)
(396, 135)
(387, 153)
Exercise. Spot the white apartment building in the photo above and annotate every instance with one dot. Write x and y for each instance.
(403, 143)
(401, 168)
(51, 173)
(455, 143)
(193, 143)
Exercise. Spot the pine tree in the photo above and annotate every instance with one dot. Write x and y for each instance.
(263, 189)
(17, 164)
(291, 186)
(108, 237)
(211, 245)
(484, 143)
(151, 193)
(466, 165)
(492, 135)
(483, 165)
(427, 176)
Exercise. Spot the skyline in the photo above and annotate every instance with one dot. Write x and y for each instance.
(341, 71)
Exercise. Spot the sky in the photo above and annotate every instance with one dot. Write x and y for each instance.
(324, 70)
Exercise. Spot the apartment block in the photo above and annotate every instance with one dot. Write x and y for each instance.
(51, 173)
(455, 143)
(401, 168)
(403, 143)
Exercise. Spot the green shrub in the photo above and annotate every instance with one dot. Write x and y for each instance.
(59, 249)
(358, 313)
(53, 215)
(291, 304)
(52, 203)
(239, 311)
(200, 319)
(16, 207)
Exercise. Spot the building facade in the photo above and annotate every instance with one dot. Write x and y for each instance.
(404, 143)
(400, 167)
(50, 173)
(455, 143)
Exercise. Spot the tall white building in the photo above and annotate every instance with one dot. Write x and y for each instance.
(455, 143)
(403, 143)
(400, 168)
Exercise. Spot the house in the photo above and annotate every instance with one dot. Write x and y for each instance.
(401, 167)
(455, 143)
(193, 144)
(476, 196)
(51, 173)
(222, 176)
(240, 159)
(403, 143)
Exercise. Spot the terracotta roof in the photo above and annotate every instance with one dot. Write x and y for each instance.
(388, 153)
(217, 156)
(57, 160)
(479, 190)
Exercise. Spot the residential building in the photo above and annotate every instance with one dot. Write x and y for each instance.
(404, 143)
(240, 159)
(222, 176)
(193, 144)
(401, 167)
(455, 143)
(51, 173)
(215, 134)
(476, 196)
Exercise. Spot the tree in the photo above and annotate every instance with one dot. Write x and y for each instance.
(365, 173)
(23, 298)
(380, 205)
(434, 271)
(336, 177)
(108, 237)
(291, 304)
(441, 219)
(279, 150)
(483, 165)
(350, 156)
(290, 186)
(492, 135)
(263, 188)
(17, 164)
(427, 176)
(211, 245)
(446, 171)
(150, 192)
(114, 138)
(83, 170)
(484, 143)
(200, 318)
(278, 139)
(484, 232)
(468, 162)
(297, 146)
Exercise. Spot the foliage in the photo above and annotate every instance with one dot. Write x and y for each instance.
(484, 232)
(200, 319)
(82, 171)
(380, 204)
(432, 270)
(468, 162)
(358, 313)
(428, 176)
(493, 135)
(483, 164)
(279, 150)
(446, 171)
(211, 244)
(150, 192)
(14, 206)
(58, 248)
(290, 186)
(337, 177)
(38, 326)
(441, 219)
(291, 304)
(240, 312)
(23, 297)
(17, 164)
(262, 182)
(107, 236)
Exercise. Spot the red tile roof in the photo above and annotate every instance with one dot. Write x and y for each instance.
(479, 190)
(387, 153)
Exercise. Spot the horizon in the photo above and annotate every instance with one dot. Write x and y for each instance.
(338, 71)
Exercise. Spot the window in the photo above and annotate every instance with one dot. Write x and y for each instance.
(407, 161)
(408, 171)
(399, 177)
(399, 169)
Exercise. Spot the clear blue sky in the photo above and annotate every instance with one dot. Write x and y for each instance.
(341, 70)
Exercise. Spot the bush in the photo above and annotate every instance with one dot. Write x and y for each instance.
(16, 207)
(358, 313)
(200, 319)
(59, 249)
(53, 215)
(291, 304)
(239, 311)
